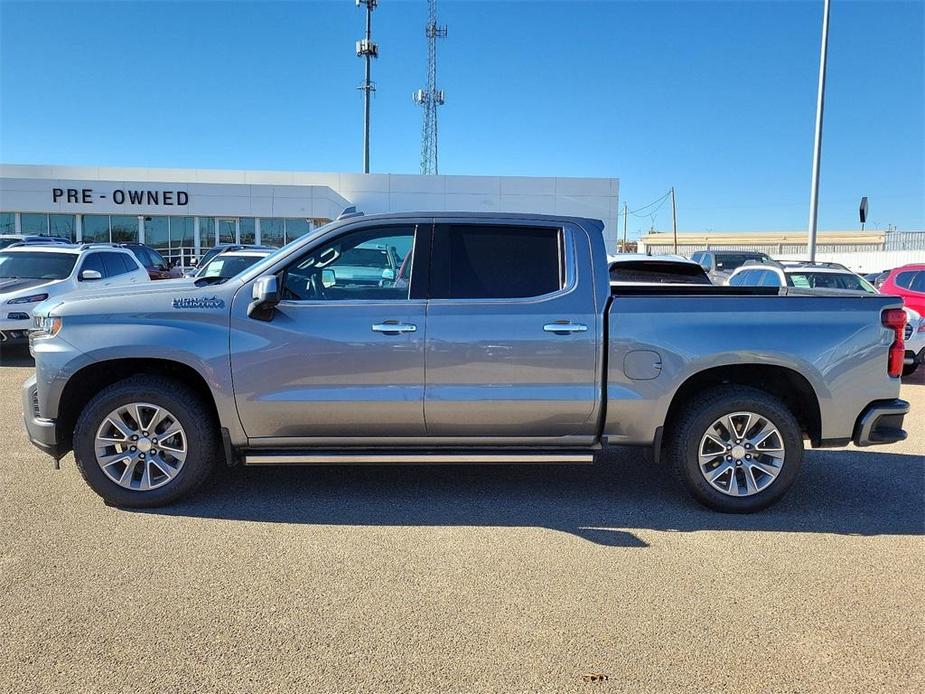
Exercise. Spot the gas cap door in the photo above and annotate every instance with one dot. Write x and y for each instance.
(642, 365)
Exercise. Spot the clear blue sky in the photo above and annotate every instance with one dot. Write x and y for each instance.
(715, 98)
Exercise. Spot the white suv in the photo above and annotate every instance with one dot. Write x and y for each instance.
(799, 273)
(32, 274)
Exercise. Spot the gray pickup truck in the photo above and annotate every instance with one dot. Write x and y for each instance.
(496, 339)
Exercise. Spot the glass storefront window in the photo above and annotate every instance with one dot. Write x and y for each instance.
(7, 222)
(206, 233)
(226, 231)
(63, 225)
(95, 228)
(271, 232)
(181, 232)
(296, 228)
(33, 223)
(157, 232)
(248, 233)
(124, 228)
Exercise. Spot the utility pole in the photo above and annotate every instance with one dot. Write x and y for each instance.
(367, 49)
(624, 227)
(817, 138)
(674, 221)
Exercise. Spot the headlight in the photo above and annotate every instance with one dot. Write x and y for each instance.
(46, 326)
(34, 299)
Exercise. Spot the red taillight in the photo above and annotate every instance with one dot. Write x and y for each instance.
(895, 320)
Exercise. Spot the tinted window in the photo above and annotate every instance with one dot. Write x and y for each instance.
(648, 271)
(139, 253)
(495, 262)
(769, 279)
(904, 279)
(128, 262)
(738, 280)
(94, 261)
(333, 271)
(49, 266)
(747, 278)
(918, 282)
(730, 261)
(157, 259)
(112, 264)
(826, 280)
(707, 261)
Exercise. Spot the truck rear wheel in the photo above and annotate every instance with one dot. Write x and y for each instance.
(145, 442)
(735, 449)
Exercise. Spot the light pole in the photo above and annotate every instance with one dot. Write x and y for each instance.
(817, 140)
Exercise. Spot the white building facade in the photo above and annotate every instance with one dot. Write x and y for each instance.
(183, 212)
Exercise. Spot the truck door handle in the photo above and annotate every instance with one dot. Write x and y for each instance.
(565, 327)
(394, 327)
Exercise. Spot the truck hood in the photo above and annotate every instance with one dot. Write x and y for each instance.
(149, 297)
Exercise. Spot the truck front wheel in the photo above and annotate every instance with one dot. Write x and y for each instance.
(736, 449)
(145, 442)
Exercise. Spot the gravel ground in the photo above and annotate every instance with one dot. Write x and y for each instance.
(469, 580)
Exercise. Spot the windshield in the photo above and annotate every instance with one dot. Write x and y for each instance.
(223, 267)
(8, 242)
(365, 257)
(36, 266)
(829, 280)
(211, 253)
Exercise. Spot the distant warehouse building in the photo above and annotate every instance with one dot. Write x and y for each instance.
(864, 251)
(183, 212)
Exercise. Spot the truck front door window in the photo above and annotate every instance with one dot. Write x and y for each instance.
(363, 265)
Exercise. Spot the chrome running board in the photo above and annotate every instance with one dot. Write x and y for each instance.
(348, 458)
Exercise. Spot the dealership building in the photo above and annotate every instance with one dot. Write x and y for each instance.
(183, 212)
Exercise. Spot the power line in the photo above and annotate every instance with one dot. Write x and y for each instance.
(660, 201)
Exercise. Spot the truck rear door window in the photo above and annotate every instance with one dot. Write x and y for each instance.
(495, 262)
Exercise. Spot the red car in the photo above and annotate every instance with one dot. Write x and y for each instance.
(907, 282)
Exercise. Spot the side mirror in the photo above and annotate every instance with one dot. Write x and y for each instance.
(264, 297)
(91, 275)
(388, 275)
(328, 278)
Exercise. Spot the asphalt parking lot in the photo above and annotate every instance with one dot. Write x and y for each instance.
(463, 579)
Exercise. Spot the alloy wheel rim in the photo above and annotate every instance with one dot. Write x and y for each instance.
(741, 454)
(140, 446)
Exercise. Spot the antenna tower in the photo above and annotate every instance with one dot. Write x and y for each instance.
(430, 97)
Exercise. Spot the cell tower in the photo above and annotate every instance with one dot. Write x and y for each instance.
(367, 49)
(430, 97)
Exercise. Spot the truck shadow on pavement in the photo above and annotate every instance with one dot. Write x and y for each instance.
(15, 355)
(846, 492)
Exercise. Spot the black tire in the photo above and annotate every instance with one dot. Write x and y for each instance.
(689, 426)
(909, 369)
(197, 419)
